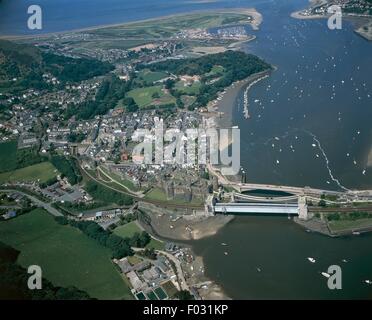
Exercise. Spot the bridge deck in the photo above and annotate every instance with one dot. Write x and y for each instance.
(256, 208)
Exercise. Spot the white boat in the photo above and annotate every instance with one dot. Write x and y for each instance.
(258, 269)
(368, 281)
(312, 260)
(325, 274)
(223, 244)
(356, 233)
(225, 253)
(344, 260)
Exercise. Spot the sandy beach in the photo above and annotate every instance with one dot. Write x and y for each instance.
(168, 225)
(226, 105)
(299, 15)
(176, 226)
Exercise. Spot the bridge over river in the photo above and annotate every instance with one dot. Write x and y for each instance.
(299, 191)
(245, 204)
(268, 208)
(293, 204)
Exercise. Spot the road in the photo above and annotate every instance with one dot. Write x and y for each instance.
(47, 206)
(181, 278)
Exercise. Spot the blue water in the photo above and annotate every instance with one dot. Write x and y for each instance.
(322, 88)
(308, 57)
(62, 15)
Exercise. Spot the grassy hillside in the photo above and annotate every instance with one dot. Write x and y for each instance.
(41, 173)
(8, 156)
(67, 256)
(22, 67)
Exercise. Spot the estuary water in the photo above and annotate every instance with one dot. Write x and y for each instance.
(64, 15)
(267, 259)
(311, 120)
(310, 125)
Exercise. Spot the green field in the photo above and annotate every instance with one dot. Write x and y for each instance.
(137, 33)
(168, 26)
(159, 195)
(156, 194)
(344, 225)
(67, 256)
(129, 229)
(148, 76)
(41, 172)
(118, 180)
(8, 156)
(193, 89)
(169, 288)
(144, 96)
(216, 71)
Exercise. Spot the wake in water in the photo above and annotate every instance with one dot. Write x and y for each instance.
(327, 161)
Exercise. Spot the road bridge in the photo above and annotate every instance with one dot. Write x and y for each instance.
(259, 208)
(288, 189)
(236, 197)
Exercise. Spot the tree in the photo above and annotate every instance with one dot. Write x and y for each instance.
(131, 104)
(184, 295)
(180, 103)
(144, 239)
(155, 95)
(149, 253)
(169, 84)
(322, 203)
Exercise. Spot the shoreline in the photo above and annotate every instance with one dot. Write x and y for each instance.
(225, 107)
(298, 15)
(183, 231)
(317, 225)
(359, 21)
(256, 22)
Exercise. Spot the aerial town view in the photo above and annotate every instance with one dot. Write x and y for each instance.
(185, 150)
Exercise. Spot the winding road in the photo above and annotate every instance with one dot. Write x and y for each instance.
(47, 206)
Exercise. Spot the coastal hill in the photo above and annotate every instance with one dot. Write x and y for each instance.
(24, 67)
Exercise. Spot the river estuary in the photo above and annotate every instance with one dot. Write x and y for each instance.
(310, 125)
